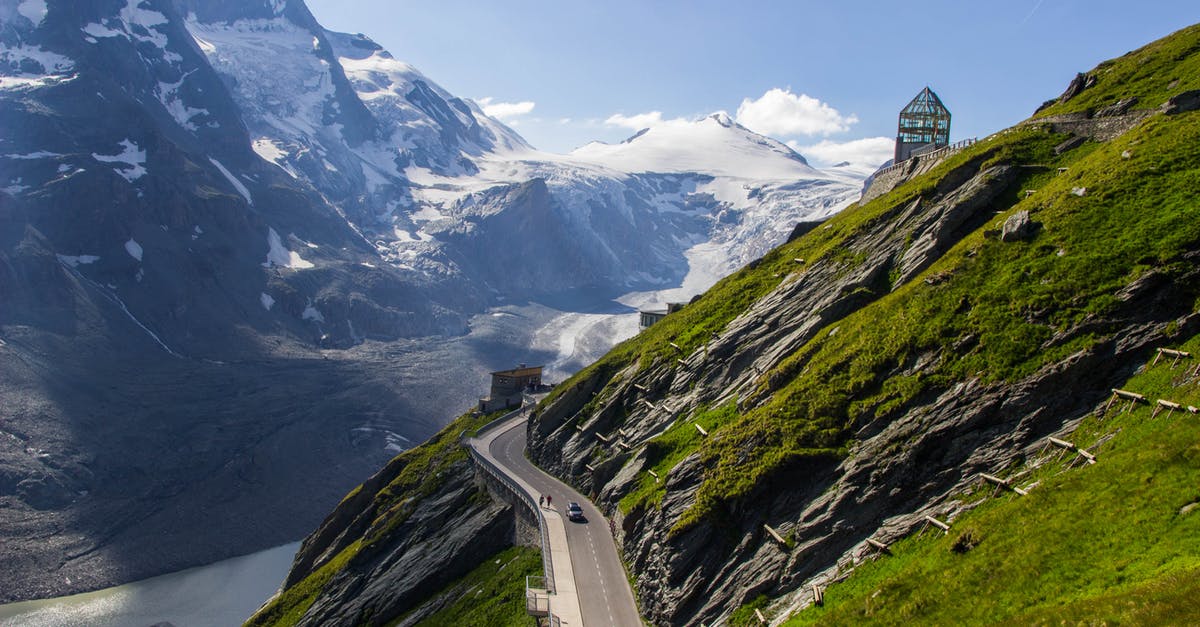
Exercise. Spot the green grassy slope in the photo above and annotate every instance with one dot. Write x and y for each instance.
(991, 309)
(1152, 73)
(416, 473)
(492, 595)
(1110, 543)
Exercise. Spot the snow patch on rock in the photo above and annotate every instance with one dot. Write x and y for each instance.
(168, 94)
(77, 260)
(26, 67)
(241, 189)
(134, 249)
(132, 22)
(311, 313)
(131, 160)
(279, 255)
(41, 154)
(33, 10)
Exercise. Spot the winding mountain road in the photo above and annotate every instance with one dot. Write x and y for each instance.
(594, 574)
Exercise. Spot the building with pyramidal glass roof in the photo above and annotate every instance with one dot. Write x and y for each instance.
(924, 126)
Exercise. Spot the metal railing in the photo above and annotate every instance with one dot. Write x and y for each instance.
(524, 497)
(493, 424)
(537, 601)
(929, 151)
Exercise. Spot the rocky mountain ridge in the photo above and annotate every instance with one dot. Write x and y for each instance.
(227, 231)
(864, 374)
(427, 172)
(876, 457)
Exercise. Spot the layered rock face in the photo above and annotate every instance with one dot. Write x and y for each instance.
(212, 216)
(864, 374)
(899, 466)
(165, 295)
(406, 564)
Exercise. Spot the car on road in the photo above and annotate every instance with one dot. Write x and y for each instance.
(575, 512)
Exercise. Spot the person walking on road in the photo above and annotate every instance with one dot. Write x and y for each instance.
(542, 501)
(547, 500)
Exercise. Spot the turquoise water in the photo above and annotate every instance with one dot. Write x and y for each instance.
(222, 594)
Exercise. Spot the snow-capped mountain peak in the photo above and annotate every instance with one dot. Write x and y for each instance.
(715, 145)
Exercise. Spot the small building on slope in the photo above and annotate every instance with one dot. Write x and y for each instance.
(649, 316)
(508, 386)
(924, 126)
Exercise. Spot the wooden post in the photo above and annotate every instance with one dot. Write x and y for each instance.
(762, 619)
(649, 404)
(682, 363)
(1170, 406)
(994, 479)
(640, 387)
(622, 432)
(1061, 443)
(675, 346)
(1070, 446)
(1169, 352)
(1132, 397)
(700, 429)
(579, 428)
(589, 467)
(818, 597)
(1108, 404)
(937, 523)
(1002, 483)
(878, 546)
(600, 436)
(653, 474)
(775, 535)
(797, 260)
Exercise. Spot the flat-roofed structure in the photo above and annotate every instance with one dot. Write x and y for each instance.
(508, 386)
(649, 316)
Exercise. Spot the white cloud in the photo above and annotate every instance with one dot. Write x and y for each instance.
(869, 151)
(635, 122)
(640, 121)
(780, 112)
(505, 110)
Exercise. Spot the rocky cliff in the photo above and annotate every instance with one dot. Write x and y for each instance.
(864, 374)
(164, 298)
(885, 359)
(393, 543)
(239, 254)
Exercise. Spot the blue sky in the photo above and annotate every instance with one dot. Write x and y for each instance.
(827, 77)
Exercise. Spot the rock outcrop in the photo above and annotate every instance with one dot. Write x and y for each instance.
(441, 540)
(867, 372)
(901, 464)
(385, 552)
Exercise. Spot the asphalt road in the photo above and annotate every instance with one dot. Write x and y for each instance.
(605, 597)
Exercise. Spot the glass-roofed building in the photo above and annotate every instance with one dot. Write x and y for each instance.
(924, 122)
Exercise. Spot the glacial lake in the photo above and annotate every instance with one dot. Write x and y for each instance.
(222, 594)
